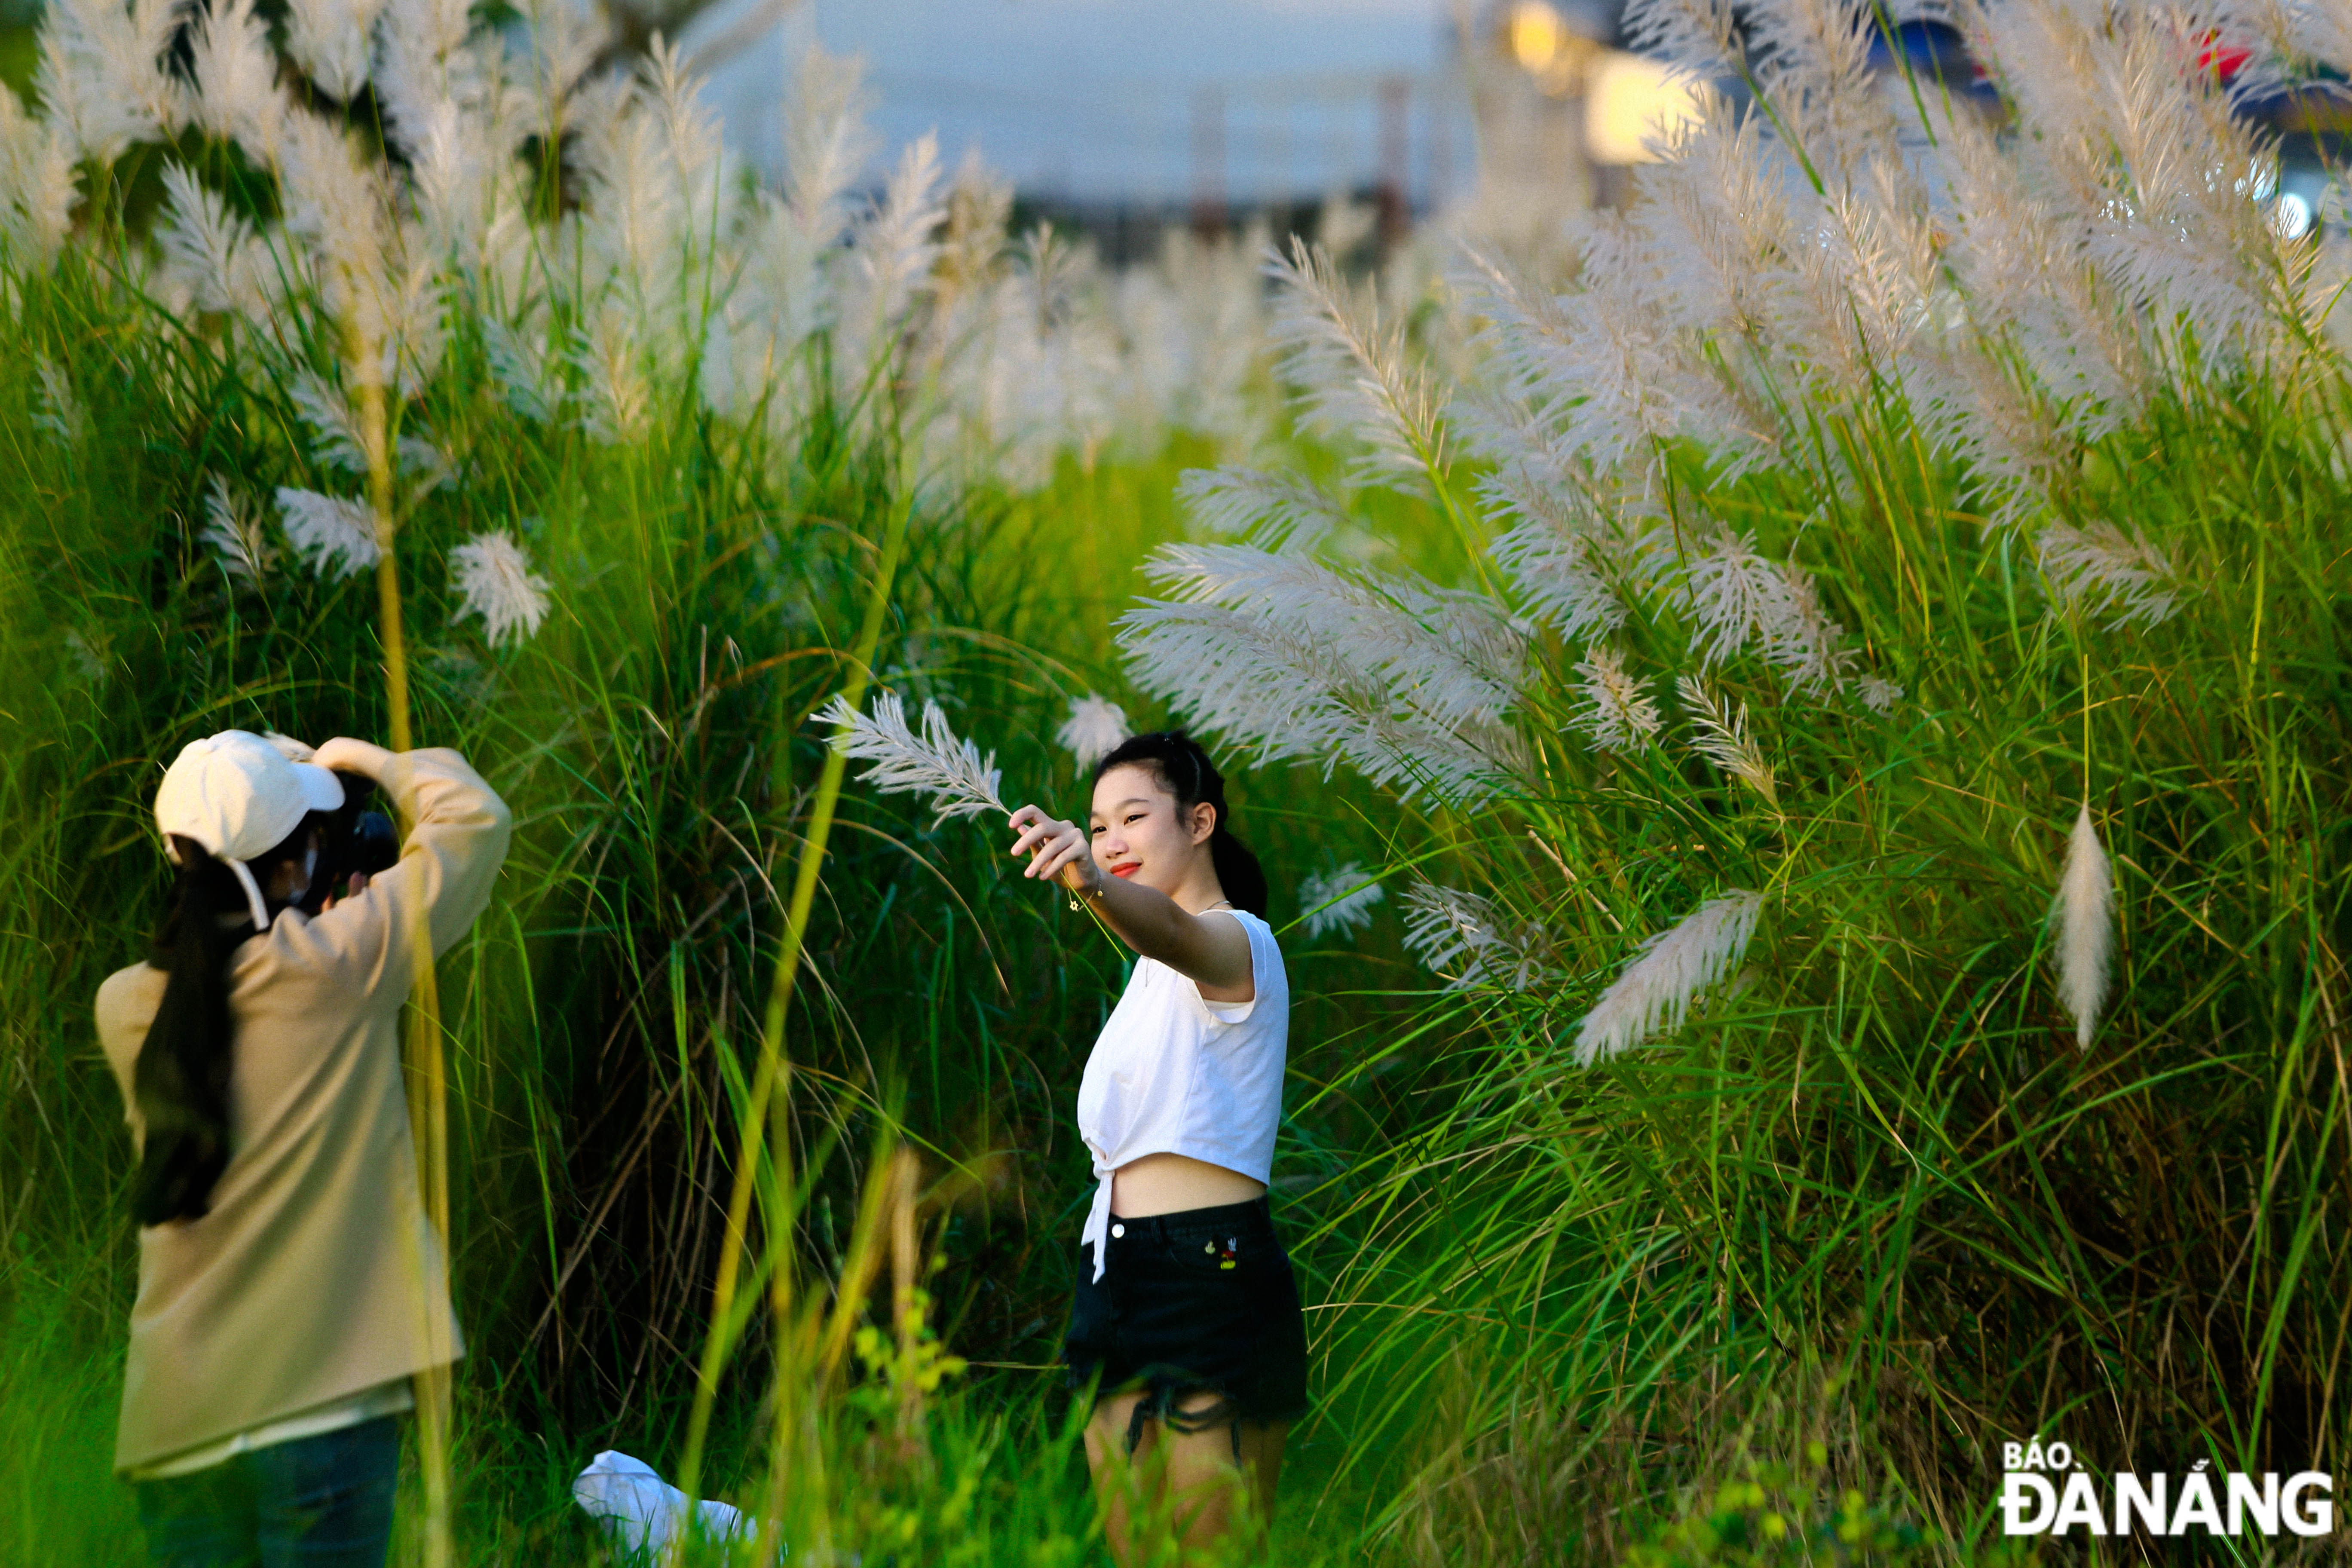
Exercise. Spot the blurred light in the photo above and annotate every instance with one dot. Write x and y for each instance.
(1632, 101)
(2292, 216)
(1537, 34)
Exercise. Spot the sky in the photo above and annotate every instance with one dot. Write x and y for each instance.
(1097, 99)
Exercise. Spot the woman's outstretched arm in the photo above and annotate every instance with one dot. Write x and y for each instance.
(1209, 950)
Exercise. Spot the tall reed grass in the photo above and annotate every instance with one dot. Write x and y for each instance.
(1693, 698)
(1902, 490)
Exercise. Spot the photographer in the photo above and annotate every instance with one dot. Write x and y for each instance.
(289, 1285)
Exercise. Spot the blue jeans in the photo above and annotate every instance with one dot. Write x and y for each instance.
(315, 1502)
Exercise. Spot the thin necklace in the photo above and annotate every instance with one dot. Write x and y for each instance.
(1227, 902)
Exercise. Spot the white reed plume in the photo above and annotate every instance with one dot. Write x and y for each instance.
(207, 249)
(1355, 369)
(1278, 686)
(2006, 233)
(1093, 731)
(55, 408)
(1813, 59)
(633, 219)
(1717, 223)
(1278, 512)
(1723, 739)
(1734, 593)
(959, 780)
(330, 40)
(1552, 554)
(336, 438)
(1468, 939)
(336, 205)
(2155, 175)
(102, 80)
(1450, 654)
(787, 293)
(449, 179)
(2085, 912)
(1703, 36)
(340, 209)
(1204, 359)
(617, 405)
(39, 186)
(2114, 572)
(1729, 590)
(1878, 694)
(980, 205)
(692, 159)
(895, 248)
(422, 59)
(494, 580)
(1613, 711)
(1800, 639)
(521, 363)
(334, 535)
(1861, 293)
(1557, 574)
(566, 40)
(1339, 902)
(1615, 373)
(237, 533)
(2318, 29)
(236, 74)
(1411, 684)
(826, 142)
(334, 427)
(1667, 974)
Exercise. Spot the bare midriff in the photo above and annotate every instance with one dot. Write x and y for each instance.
(1171, 1184)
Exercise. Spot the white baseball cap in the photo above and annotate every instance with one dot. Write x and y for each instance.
(239, 797)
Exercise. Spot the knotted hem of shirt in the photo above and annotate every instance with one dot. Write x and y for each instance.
(1096, 1233)
(1158, 1404)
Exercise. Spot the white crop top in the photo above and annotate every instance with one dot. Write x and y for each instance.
(1173, 1074)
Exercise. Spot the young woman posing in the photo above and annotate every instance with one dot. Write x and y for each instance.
(289, 1281)
(1187, 1323)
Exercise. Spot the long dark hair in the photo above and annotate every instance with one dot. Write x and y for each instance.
(181, 1083)
(1185, 771)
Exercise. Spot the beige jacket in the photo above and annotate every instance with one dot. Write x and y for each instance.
(316, 1274)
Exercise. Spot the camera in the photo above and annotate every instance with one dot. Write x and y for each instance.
(356, 837)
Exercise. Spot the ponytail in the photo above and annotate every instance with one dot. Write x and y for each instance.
(181, 1082)
(1238, 871)
(1185, 771)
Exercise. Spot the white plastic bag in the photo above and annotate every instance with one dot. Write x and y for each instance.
(640, 1510)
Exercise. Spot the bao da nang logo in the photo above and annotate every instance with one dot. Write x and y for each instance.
(2045, 1492)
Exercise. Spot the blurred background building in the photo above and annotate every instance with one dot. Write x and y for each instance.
(1119, 119)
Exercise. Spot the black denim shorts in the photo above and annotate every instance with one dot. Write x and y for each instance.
(1198, 1301)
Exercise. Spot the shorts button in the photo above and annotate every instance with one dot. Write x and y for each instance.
(1119, 1230)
